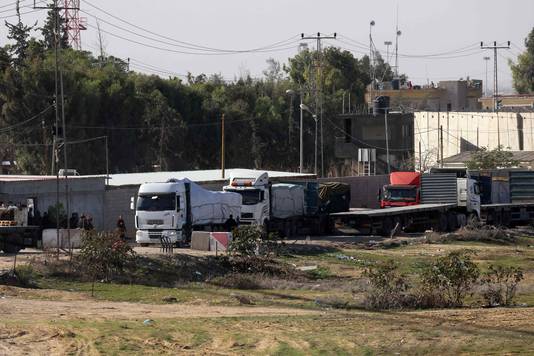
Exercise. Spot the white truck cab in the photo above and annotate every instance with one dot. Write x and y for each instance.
(255, 193)
(469, 195)
(160, 212)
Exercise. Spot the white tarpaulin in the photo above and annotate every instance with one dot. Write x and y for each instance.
(287, 200)
(209, 207)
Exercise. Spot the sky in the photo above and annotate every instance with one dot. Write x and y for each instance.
(440, 40)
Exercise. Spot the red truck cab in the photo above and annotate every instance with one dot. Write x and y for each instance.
(403, 190)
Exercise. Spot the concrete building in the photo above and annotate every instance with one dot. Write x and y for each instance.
(453, 95)
(466, 131)
(508, 102)
(86, 194)
(361, 149)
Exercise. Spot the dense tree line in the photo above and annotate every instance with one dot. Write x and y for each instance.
(155, 123)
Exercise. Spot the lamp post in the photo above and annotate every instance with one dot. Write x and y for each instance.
(306, 108)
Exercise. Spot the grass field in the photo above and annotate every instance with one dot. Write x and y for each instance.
(319, 314)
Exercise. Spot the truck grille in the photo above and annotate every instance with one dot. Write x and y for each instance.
(154, 234)
(247, 215)
(154, 222)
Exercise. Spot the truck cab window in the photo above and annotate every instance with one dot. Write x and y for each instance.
(156, 202)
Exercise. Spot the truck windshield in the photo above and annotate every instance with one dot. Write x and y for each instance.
(156, 202)
(396, 194)
(250, 197)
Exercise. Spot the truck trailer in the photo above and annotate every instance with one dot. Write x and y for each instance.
(15, 232)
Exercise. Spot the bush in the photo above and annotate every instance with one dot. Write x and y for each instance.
(449, 280)
(501, 285)
(245, 241)
(238, 281)
(388, 286)
(103, 254)
(252, 241)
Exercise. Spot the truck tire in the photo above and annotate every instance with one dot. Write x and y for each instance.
(452, 221)
(11, 248)
(441, 224)
(387, 226)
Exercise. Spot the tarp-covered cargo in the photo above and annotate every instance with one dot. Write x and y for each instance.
(287, 200)
(209, 207)
(334, 196)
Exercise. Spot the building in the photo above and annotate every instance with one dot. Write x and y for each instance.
(86, 194)
(524, 158)
(444, 134)
(508, 102)
(453, 95)
(361, 148)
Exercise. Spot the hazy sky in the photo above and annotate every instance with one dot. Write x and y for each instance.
(454, 27)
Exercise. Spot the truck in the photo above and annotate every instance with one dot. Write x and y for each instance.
(402, 190)
(446, 202)
(173, 209)
(15, 232)
(288, 208)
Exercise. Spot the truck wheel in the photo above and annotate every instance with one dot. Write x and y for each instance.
(462, 220)
(387, 226)
(452, 221)
(441, 223)
(11, 248)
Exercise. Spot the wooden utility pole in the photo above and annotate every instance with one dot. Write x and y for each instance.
(441, 144)
(222, 146)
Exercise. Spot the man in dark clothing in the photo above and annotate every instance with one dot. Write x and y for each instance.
(230, 224)
(121, 227)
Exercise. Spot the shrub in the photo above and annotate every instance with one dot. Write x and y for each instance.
(387, 286)
(238, 281)
(447, 281)
(501, 285)
(102, 254)
(245, 241)
(252, 241)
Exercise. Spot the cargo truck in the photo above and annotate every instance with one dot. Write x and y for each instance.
(172, 210)
(446, 203)
(286, 208)
(15, 233)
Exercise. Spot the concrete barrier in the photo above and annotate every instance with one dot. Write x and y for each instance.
(210, 241)
(50, 238)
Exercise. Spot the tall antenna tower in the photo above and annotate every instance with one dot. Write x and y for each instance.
(74, 24)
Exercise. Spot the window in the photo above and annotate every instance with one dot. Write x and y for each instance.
(156, 202)
(250, 197)
(348, 130)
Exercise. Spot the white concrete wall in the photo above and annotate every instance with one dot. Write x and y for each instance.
(482, 129)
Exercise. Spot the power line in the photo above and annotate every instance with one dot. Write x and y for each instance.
(183, 44)
(8, 128)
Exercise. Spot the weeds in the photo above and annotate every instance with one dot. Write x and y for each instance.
(501, 285)
(388, 286)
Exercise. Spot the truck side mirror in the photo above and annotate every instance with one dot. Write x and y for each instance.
(132, 203)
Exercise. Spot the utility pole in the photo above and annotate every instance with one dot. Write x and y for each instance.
(222, 146)
(387, 139)
(371, 62)
(59, 96)
(486, 59)
(496, 47)
(441, 145)
(318, 87)
(397, 34)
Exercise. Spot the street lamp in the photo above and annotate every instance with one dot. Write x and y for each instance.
(306, 108)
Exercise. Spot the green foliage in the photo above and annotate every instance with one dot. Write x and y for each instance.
(501, 284)
(103, 254)
(388, 286)
(523, 71)
(491, 159)
(450, 279)
(245, 241)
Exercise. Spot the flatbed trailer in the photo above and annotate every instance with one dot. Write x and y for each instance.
(507, 214)
(15, 238)
(440, 217)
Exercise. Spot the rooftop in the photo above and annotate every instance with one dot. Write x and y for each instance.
(521, 156)
(200, 176)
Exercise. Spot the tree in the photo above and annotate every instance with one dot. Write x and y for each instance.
(523, 71)
(491, 159)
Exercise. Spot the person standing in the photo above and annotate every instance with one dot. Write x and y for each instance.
(121, 227)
